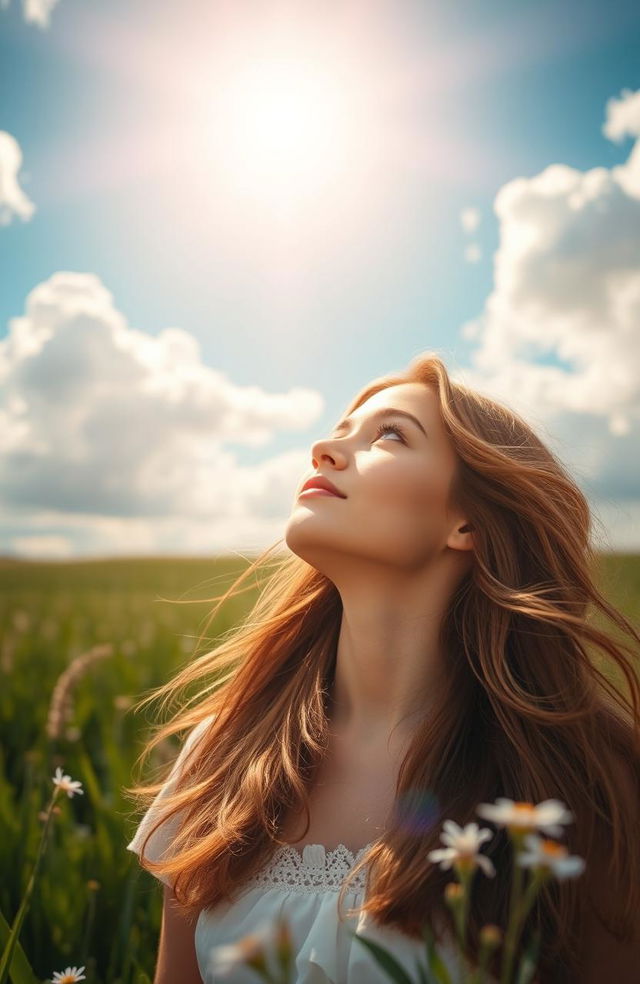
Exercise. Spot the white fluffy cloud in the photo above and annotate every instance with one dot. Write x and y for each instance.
(35, 11)
(567, 284)
(470, 219)
(559, 337)
(100, 421)
(13, 201)
(623, 116)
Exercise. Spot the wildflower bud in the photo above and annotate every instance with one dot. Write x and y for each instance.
(454, 895)
(453, 891)
(490, 936)
(42, 815)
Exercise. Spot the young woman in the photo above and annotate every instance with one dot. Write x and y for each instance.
(427, 645)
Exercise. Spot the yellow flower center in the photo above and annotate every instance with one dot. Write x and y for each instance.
(465, 861)
(553, 848)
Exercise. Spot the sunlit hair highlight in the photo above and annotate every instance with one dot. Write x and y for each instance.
(528, 712)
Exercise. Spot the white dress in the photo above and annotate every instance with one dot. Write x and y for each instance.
(301, 886)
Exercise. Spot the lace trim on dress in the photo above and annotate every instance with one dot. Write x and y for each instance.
(316, 869)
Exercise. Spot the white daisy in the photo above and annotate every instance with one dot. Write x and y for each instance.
(546, 816)
(463, 847)
(551, 856)
(68, 976)
(67, 784)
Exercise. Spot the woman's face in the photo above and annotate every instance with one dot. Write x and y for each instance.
(396, 486)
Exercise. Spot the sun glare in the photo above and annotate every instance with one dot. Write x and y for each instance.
(282, 129)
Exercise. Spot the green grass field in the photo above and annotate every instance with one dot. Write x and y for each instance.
(93, 905)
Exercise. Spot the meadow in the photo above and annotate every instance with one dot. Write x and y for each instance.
(93, 905)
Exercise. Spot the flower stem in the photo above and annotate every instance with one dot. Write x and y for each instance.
(527, 901)
(7, 955)
(461, 912)
(518, 915)
(516, 892)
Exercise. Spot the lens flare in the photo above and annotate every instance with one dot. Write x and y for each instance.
(417, 811)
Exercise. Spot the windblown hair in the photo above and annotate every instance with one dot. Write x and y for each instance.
(528, 713)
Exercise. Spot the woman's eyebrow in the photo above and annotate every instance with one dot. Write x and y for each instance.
(345, 424)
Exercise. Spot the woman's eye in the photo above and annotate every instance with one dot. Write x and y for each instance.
(390, 429)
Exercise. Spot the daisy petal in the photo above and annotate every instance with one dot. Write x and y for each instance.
(486, 864)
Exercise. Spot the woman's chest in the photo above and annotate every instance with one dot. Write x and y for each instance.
(350, 802)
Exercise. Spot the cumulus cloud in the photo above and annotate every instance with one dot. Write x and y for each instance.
(35, 11)
(567, 289)
(470, 219)
(559, 335)
(623, 116)
(98, 419)
(13, 200)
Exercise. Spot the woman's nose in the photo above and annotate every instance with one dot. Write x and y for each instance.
(319, 449)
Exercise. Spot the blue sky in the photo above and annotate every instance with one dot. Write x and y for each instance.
(167, 257)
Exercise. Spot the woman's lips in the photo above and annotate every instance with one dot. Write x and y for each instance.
(315, 491)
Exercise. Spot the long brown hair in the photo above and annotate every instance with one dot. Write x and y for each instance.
(528, 713)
